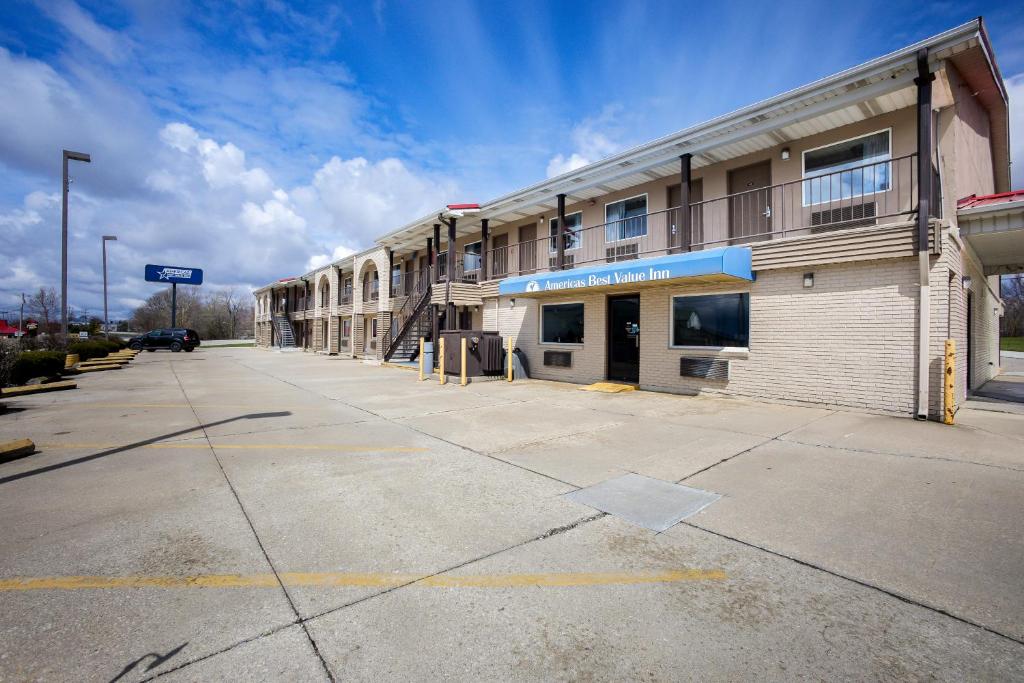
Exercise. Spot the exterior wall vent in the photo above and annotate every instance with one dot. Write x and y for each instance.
(621, 252)
(715, 369)
(844, 216)
(558, 359)
(568, 261)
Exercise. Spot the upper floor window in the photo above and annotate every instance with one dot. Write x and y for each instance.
(847, 169)
(471, 258)
(625, 219)
(573, 231)
(396, 276)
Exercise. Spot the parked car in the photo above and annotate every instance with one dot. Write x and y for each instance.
(174, 339)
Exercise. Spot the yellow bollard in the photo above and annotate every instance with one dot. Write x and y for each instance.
(444, 378)
(510, 345)
(949, 383)
(463, 381)
(421, 359)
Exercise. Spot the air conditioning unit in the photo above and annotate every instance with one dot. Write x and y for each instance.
(621, 252)
(844, 217)
(568, 260)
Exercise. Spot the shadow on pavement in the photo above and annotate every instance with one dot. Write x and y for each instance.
(137, 444)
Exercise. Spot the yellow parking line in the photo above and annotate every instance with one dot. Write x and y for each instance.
(376, 580)
(166, 405)
(246, 447)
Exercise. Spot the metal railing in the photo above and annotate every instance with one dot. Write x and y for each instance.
(371, 290)
(410, 283)
(858, 196)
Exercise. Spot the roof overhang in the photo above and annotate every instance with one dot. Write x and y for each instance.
(723, 264)
(876, 87)
(996, 234)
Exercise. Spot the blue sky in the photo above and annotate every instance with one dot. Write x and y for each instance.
(255, 139)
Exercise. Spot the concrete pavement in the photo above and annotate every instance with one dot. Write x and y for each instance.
(235, 513)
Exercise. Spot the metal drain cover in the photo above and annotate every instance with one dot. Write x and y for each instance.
(651, 503)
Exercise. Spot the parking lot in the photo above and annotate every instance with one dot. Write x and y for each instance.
(242, 514)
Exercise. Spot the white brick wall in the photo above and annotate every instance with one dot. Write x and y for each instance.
(848, 341)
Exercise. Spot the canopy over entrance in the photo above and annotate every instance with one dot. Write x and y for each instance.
(711, 265)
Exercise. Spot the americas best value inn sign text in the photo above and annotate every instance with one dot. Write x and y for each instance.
(725, 261)
(595, 280)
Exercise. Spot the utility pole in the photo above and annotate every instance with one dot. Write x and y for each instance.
(21, 322)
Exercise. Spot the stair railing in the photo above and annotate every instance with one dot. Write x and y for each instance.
(410, 312)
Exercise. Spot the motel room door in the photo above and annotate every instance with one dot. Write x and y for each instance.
(750, 206)
(527, 248)
(624, 338)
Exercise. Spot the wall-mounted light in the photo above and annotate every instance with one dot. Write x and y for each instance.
(785, 154)
(967, 281)
(808, 280)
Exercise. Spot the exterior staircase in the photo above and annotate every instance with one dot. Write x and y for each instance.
(283, 331)
(404, 344)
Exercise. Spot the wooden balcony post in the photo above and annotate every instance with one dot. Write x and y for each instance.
(391, 272)
(484, 234)
(435, 274)
(449, 314)
(560, 235)
(685, 227)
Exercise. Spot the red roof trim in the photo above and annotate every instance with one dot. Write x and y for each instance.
(986, 199)
(456, 207)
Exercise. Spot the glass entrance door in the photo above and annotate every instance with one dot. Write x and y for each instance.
(624, 338)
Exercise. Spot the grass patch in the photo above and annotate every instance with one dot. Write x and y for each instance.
(1012, 344)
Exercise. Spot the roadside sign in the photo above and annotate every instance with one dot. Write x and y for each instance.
(175, 275)
(83, 335)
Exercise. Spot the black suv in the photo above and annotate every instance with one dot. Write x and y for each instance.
(175, 339)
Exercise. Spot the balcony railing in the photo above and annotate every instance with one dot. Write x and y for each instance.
(345, 297)
(874, 193)
(410, 283)
(371, 290)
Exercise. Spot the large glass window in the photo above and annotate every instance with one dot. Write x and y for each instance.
(573, 234)
(561, 323)
(471, 256)
(626, 219)
(716, 320)
(847, 169)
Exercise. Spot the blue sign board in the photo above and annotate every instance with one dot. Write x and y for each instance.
(732, 262)
(174, 275)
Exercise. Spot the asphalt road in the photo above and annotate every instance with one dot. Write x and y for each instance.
(238, 514)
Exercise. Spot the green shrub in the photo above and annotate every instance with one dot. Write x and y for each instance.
(37, 364)
(89, 349)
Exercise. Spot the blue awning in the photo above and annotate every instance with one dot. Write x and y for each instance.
(723, 263)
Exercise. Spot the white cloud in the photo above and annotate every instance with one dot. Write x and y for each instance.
(112, 46)
(592, 141)
(364, 199)
(321, 260)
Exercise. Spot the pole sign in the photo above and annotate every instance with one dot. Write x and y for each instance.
(174, 275)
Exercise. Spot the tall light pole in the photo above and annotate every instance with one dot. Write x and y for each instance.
(73, 156)
(106, 318)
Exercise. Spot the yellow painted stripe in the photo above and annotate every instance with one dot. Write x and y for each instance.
(192, 445)
(173, 405)
(375, 580)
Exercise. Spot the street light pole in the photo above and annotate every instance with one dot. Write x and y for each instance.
(106, 318)
(74, 156)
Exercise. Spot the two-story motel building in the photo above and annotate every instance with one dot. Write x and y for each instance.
(807, 248)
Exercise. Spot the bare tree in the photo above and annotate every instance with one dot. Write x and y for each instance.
(1012, 291)
(44, 306)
